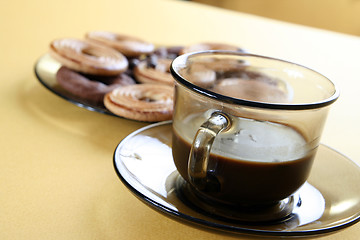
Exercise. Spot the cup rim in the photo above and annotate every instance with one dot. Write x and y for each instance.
(230, 100)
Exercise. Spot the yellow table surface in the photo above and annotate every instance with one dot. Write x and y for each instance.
(57, 179)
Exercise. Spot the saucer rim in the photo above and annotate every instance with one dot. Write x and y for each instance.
(184, 218)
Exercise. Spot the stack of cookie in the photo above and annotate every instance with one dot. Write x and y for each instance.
(127, 75)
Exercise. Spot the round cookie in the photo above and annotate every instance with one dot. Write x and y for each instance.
(252, 89)
(89, 58)
(129, 46)
(142, 102)
(209, 46)
(157, 71)
(90, 88)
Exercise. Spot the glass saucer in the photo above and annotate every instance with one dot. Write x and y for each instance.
(329, 200)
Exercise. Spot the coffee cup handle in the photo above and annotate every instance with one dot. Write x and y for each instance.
(200, 151)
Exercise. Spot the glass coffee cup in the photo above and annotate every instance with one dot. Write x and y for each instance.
(246, 128)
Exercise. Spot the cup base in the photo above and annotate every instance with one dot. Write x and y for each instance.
(250, 214)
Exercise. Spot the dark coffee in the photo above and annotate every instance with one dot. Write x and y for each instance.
(250, 181)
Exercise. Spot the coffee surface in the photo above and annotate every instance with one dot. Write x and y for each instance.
(254, 162)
